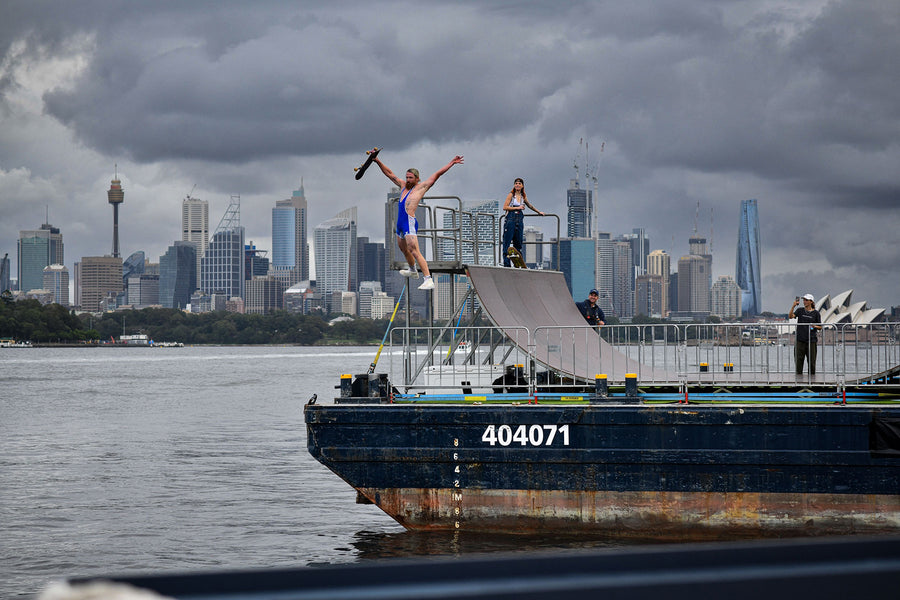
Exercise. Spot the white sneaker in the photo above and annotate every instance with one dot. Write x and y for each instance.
(428, 284)
(411, 273)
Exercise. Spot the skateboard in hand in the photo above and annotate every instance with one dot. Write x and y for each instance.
(361, 169)
(515, 257)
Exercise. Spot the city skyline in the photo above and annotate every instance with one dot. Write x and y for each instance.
(692, 102)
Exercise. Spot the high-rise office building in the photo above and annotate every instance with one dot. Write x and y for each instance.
(336, 255)
(648, 295)
(116, 196)
(579, 203)
(143, 290)
(100, 276)
(747, 266)
(576, 261)
(725, 298)
(533, 247)
(290, 251)
(603, 279)
(623, 279)
(38, 248)
(660, 263)
(370, 261)
(367, 290)
(195, 226)
(4, 273)
(56, 281)
(264, 295)
(178, 275)
(478, 222)
(222, 266)
(693, 285)
(256, 264)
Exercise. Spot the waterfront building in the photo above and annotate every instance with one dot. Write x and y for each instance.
(264, 295)
(576, 259)
(336, 255)
(290, 250)
(115, 196)
(579, 204)
(343, 302)
(603, 280)
(659, 263)
(725, 298)
(748, 268)
(38, 248)
(56, 281)
(195, 226)
(178, 275)
(100, 282)
(298, 298)
(222, 266)
(648, 295)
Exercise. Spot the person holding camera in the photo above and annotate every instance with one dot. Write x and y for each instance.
(805, 345)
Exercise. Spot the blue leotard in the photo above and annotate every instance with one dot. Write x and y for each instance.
(406, 225)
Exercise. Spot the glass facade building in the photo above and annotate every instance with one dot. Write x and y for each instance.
(178, 275)
(222, 267)
(576, 261)
(747, 267)
(578, 217)
(336, 255)
(290, 251)
(38, 248)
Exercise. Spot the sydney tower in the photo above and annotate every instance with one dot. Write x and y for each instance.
(116, 196)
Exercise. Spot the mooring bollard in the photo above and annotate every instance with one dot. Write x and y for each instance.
(601, 387)
(631, 385)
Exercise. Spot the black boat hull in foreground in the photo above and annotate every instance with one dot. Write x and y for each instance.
(669, 471)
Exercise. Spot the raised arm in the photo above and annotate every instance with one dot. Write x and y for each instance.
(457, 160)
(388, 173)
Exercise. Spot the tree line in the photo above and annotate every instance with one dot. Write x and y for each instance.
(28, 320)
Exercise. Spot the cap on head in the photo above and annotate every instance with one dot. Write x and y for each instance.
(414, 172)
(594, 292)
(518, 180)
(809, 297)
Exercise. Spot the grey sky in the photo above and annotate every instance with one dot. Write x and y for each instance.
(796, 104)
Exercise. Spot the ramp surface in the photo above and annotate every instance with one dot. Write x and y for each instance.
(540, 301)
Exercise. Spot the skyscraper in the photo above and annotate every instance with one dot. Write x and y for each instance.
(576, 261)
(603, 279)
(693, 285)
(335, 250)
(178, 275)
(100, 276)
(290, 250)
(725, 298)
(4, 273)
(222, 265)
(484, 229)
(579, 204)
(747, 267)
(659, 263)
(38, 249)
(56, 281)
(115, 196)
(195, 226)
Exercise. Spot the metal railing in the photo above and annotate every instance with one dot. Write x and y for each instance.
(473, 359)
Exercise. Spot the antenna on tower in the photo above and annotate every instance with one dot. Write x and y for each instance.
(592, 170)
(710, 230)
(577, 160)
(696, 217)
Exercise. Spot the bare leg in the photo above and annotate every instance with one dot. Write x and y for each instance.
(410, 258)
(411, 243)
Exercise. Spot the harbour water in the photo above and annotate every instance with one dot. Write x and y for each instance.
(140, 460)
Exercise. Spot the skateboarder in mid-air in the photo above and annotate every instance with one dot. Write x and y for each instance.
(411, 193)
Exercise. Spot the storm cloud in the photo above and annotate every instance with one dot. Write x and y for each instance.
(796, 104)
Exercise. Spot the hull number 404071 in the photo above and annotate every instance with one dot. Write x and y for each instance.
(526, 435)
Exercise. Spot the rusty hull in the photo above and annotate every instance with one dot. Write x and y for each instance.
(641, 515)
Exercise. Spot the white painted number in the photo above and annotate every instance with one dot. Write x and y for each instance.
(535, 435)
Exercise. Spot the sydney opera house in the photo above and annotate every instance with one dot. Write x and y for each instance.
(841, 309)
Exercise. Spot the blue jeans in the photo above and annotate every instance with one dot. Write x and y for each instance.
(513, 231)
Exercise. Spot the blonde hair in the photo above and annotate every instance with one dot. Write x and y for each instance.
(414, 172)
